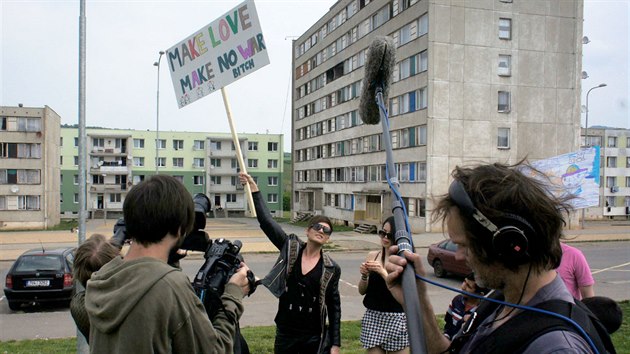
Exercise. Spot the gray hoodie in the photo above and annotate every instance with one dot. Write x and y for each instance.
(147, 306)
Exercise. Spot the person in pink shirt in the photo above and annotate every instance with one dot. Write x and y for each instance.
(576, 273)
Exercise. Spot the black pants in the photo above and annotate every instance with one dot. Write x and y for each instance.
(296, 343)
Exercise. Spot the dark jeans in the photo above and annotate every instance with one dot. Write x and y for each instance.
(296, 343)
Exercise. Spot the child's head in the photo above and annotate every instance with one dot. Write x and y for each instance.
(607, 310)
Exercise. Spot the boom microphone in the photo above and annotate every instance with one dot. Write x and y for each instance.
(379, 67)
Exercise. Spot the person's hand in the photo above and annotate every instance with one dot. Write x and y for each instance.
(376, 267)
(240, 278)
(335, 350)
(395, 268)
(363, 269)
(247, 179)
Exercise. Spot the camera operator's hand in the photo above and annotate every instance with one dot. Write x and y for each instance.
(247, 179)
(240, 278)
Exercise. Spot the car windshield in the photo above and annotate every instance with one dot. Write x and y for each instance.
(38, 263)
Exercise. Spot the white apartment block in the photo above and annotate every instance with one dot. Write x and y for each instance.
(29, 172)
(614, 187)
(474, 81)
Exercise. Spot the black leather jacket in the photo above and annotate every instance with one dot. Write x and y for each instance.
(275, 281)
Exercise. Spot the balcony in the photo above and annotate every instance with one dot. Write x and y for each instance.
(107, 188)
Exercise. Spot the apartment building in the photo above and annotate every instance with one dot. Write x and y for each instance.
(29, 172)
(614, 187)
(474, 81)
(203, 162)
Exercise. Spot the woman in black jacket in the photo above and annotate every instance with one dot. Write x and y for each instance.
(306, 280)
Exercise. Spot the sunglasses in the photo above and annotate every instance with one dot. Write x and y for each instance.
(382, 233)
(322, 228)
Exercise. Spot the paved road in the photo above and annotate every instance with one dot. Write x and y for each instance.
(610, 263)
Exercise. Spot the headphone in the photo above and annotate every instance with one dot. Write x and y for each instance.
(509, 234)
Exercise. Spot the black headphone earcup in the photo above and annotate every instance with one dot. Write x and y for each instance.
(511, 245)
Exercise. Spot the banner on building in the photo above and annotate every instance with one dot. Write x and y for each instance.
(218, 54)
(575, 173)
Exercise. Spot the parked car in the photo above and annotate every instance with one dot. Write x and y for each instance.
(40, 276)
(441, 257)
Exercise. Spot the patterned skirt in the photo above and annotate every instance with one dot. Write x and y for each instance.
(387, 330)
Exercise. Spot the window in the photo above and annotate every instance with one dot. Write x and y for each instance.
(138, 178)
(504, 102)
(215, 180)
(138, 161)
(75, 180)
(138, 143)
(253, 163)
(197, 180)
(161, 161)
(61, 141)
(272, 180)
(628, 163)
(424, 61)
(161, 143)
(178, 144)
(503, 138)
(215, 162)
(76, 160)
(29, 124)
(423, 26)
(215, 145)
(421, 99)
(505, 28)
(28, 202)
(611, 181)
(234, 164)
(612, 141)
(178, 162)
(611, 161)
(230, 198)
(628, 181)
(179, 178)
(422, 172)
(115, 198)
(505, 65)
(252, 146)
(272, 198)
(199, 145)
(198, 162)
(98, 142)
(76, 141)
(272, 163)
(3, 126)
(422, 135)
(272, 146)
(76, 198)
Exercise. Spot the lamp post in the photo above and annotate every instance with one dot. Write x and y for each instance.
(586, 141)
(157, 113)
(586, 128)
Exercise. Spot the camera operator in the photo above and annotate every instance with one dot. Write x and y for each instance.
(140, 304)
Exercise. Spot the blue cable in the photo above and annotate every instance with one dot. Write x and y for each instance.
(522, 307)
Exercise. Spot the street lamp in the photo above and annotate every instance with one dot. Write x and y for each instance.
(586, 128)
(157, 112)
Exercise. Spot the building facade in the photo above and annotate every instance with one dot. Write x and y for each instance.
(203, 162)
(29, 169)
(474, 81)
(614, 190)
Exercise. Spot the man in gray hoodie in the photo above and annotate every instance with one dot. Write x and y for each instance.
(140, 304)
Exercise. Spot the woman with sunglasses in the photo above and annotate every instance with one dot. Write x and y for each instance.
(384, 325)
(306, 280)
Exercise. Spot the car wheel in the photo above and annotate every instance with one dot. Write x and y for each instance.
(438, 269)
(14, 305)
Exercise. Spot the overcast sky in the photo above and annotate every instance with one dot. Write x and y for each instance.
(39, 62)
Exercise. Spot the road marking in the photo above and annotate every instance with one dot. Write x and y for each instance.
(349, 284)
(618, 282)
(609, 268)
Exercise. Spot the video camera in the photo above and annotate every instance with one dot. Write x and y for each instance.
(222, 257)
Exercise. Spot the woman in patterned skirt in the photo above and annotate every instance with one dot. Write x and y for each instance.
(384, 325)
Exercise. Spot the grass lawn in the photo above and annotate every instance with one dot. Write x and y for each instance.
(260, 339)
